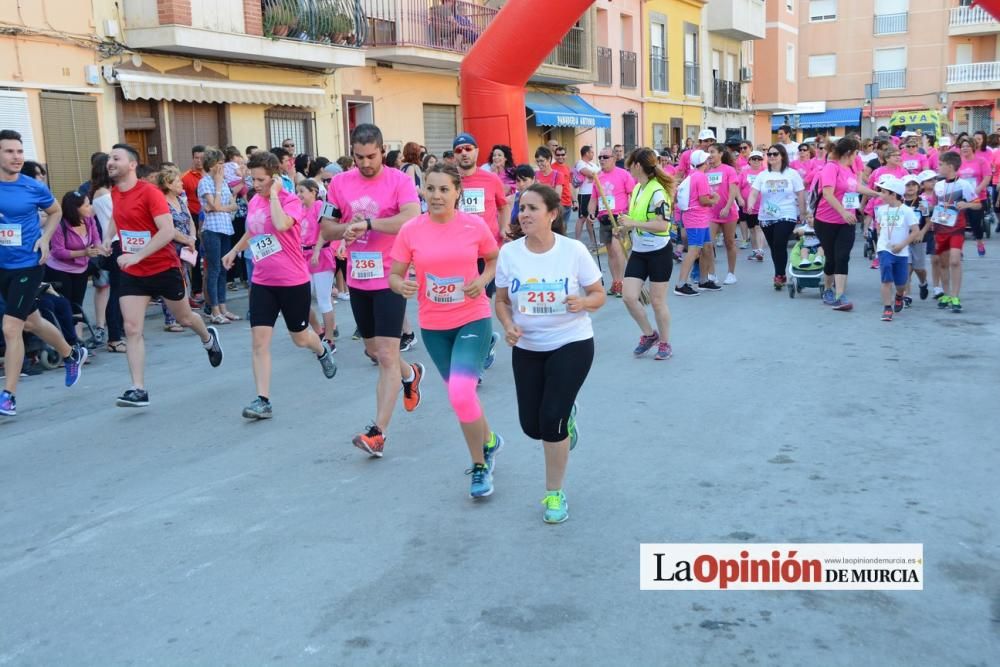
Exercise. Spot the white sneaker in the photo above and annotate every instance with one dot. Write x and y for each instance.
(730, 279)
(712, 278)
(719, 240)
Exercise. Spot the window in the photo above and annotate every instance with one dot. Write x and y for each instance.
(71, 134)
(692, 72)
(822, 10)
(790, 62)
(790, 6)
(659, 135)
(14, 116)
(890, 68)
(630, 131)
(883, 7)
(440, 127)
(658, 56)
(192, 124)
(290, 124)
(824, 65)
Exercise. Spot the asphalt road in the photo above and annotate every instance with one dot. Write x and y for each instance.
(183, 535)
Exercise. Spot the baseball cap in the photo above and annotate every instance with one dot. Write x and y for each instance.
(909, 178)
(926, 175)
(333, 168)
(892, 184)
(706, 135)
(698, 158)
(756, 154)
(464, 139)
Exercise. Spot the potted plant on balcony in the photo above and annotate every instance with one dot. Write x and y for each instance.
(343, 28)
(279, 18)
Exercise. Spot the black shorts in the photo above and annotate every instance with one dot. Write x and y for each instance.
(656, 265)
(169, 284)
(341, 267)
(749, 218)
(491, 289)
(19, 288)
(584, 202)
(607, 230)
(293, 302)
(378, 313)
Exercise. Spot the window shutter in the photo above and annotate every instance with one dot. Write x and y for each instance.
(192, 124)
(440, 128)
(71, 135)
(14, 116)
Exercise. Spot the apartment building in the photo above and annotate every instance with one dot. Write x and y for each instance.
(774, 91)
(731, 27)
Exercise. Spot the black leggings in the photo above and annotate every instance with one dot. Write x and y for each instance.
(777, 235)
(73, 286)
(837, 241)
(975, 219)
(546, 384)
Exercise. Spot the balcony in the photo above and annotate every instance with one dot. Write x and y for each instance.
(973, 77)
(969, 21)
(628, 61)
(658, 69)
(893, 79)
(890, 24)
(692, 79)
(727, 94)
(321, 35)
(570, 62)
(604, 73)
(736, 19)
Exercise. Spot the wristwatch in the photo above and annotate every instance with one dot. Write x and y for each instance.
(368, 221)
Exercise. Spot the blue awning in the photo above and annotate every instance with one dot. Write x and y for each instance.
(850, 117)
(552, 110)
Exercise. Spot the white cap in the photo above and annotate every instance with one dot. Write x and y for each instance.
(926, 175)
(706, 135)
(698, 158)
(910, 178)
(944, 141)
(907, 134)
(884, 178)
(892, 184)
(756, 154)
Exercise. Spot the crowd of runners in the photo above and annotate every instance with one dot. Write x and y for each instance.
(491, 250)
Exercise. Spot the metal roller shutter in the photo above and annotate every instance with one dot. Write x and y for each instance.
(193, 124)
(440, 127)
(71, 136)
(14, 116)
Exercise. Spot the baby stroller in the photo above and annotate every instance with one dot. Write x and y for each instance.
(801, 277)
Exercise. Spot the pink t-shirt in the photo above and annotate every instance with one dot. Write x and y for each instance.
(844, 181)
(444, 256)
(932, 158)
(741, 162)
(719, 179)
(913, 163)
(379, 197)
(972, 172)
(804, 167)
(697, 216)
(859, 165)
(309, 230)
(684, 163)
(898, 172)
(484, 194)
(747, 174)
(618, 185)
(277, 255)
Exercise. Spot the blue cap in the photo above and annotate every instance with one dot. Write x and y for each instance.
(463, 139)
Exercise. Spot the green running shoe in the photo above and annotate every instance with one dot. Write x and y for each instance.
(556, 507)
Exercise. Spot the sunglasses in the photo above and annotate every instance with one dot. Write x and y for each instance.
(463, 149)
(744, 148)
(288, 145)
(560, 155)
(774, 154)
(756, 159)
(604, 157)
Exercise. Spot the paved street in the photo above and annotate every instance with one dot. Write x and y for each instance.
(183, 535)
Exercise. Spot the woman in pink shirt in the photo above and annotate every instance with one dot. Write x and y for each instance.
(280, 281)
(319, 255)
(836, 219)
(804, 162)
(74, 242)
(911, 158)
(976, 171)
(749, 224)
(444, 246)
(724, 181)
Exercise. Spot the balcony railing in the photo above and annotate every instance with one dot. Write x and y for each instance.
(319, 21)
(692, 73)
(658, 67)
(628, 69)
(969, 16)
(891, 79)
(727, 94)
(572, 50)
(604, 73)
(974, 73)
(891, 24)
(448, 27)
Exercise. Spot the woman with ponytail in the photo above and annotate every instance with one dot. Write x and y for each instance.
(648, 222)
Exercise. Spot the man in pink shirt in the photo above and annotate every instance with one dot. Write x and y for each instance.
(368, 205)
(617, 185)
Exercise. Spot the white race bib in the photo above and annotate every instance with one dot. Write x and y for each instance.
(473, 200)
(611, 202)
(133, 242)
(444, 290)
(850, 200)
(367, 265)
(911, 165)
(263, 246)
(542, 299)
(944, 216)
(10, 236)
(715, 178)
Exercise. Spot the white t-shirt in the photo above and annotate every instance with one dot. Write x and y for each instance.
(778, 192)
(894, 225)
(588, 185)
(102, 210)
(793, 151)
(538, 284)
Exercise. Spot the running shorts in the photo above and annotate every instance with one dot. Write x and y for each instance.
(292, 302)
(19, 288)
(168, 284)
(378, 312)
(948, 241)
(656, 265)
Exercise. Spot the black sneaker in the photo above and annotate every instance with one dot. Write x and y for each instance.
(710, 286)
(897, 304)
(907, 302)
(685, 290)
(133, 398)
(215, 350)
(924, 291)
(356, 335)
(407, 342)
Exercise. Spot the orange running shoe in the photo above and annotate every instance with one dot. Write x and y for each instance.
(372, 441)
(411, 389)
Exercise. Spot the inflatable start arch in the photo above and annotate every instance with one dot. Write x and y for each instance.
(493, 74)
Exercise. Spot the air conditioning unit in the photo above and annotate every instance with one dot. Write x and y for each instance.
(746, 74)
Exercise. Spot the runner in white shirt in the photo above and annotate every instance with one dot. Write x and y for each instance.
(588, 169)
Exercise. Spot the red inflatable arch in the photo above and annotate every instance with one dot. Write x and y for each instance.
(500, 63)
(991, 6)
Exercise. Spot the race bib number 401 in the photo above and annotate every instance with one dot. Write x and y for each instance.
(473, 200)
(10, 236)
(367, 265)
(263, 246)
(542, 299)
(133, 242)
(444, 290)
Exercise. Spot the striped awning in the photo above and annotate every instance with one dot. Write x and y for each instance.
(146, 86)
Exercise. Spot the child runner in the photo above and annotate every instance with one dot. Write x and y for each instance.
(893, 167)
(444, 246)
(898, 228)
(724, 181)
(928, 200)
(319, 255)
(918, 249)
(544, 316)
(955, 198)
(696, 199)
